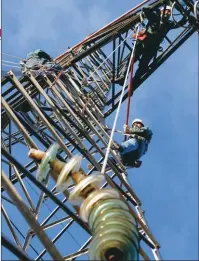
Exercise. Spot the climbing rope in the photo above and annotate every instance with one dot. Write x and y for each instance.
(130, 93)
(119, 106)
(9, 62)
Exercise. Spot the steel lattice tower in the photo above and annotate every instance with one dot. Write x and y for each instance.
(39, 110)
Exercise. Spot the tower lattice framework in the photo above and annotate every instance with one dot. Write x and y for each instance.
(71, 109)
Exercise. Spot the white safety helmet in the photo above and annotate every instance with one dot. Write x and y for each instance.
(167, 8)
(138, 121)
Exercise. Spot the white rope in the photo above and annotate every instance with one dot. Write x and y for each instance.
(118, 108)
(17, 57)
(11, 66)
(9, 62)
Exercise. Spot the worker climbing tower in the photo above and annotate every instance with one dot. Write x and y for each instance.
(60, 171)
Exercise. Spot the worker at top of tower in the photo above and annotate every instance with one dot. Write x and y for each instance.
(150, 38)
(38, 60)
(139, 137)
(159, 24)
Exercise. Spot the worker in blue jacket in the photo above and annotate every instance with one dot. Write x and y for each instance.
(131, 150)
(136, 145)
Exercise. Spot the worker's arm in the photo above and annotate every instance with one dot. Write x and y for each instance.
(144, 132)
(150, 15)
(136, 130)
(148, 134)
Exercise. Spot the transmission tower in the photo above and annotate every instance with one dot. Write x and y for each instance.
(71, 109)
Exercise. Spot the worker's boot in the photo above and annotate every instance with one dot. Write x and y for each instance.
(137, 163)
(134, 164)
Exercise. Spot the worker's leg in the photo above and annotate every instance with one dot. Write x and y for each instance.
(144, 63)
(130, 158)
(139, 48)
(127, 151)
(129, 145)
(142, 148)
(130, 153)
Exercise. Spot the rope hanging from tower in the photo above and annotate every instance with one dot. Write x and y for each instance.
(130, 93)
(119, 106)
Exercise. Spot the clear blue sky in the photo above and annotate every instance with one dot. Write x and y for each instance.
(167, 182)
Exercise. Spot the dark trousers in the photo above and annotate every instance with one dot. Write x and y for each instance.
(146, 51)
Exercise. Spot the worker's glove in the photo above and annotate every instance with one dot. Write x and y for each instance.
(126, 128)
